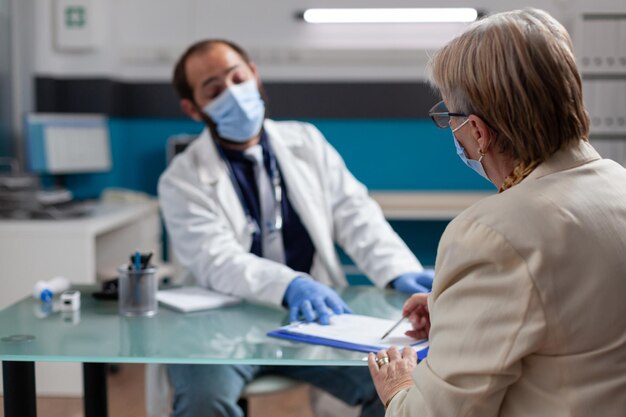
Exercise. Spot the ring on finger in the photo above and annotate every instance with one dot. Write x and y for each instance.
(382, 361)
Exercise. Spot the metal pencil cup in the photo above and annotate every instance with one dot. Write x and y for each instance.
(137, 291)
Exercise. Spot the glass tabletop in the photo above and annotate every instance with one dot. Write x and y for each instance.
(230, 335)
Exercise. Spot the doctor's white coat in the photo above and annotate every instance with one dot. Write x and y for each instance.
(210, 234)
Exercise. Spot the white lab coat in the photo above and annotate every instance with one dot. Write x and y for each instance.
(208, 228)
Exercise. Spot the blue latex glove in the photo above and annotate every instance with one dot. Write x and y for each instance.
(311, 298)
(415, 282)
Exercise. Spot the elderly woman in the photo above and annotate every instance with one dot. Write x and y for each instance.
(527, 316)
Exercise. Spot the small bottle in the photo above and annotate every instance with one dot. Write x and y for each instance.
(45, 290)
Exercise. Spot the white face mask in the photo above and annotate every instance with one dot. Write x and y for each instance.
(477, 166)
(238, 112)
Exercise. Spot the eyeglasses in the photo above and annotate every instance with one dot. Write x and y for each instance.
(441, 116)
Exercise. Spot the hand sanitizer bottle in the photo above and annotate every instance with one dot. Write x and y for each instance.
(45, 290)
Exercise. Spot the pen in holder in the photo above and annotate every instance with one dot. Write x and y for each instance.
(137, 287)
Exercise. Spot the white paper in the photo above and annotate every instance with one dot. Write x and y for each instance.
(188, 299)
(361, 330)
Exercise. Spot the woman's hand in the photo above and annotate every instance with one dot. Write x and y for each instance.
(391, 371)
(416, 309)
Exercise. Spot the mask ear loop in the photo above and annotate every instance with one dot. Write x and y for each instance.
(480, 151)
(460, 126)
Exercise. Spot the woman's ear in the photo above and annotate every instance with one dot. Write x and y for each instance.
(190, 109)
(481, 133)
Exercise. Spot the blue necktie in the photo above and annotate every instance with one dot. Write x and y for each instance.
(272, 238)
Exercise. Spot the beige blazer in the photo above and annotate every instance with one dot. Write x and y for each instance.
(528, 309)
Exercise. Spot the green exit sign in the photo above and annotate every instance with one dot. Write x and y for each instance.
(75, 17)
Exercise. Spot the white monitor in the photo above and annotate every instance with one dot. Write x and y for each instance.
(67, 143)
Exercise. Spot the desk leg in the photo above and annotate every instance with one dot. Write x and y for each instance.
(95, 389)
(20, 399)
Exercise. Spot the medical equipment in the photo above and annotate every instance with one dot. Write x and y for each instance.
(253, 227)
(70, 300)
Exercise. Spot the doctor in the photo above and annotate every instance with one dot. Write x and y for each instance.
(254, 208)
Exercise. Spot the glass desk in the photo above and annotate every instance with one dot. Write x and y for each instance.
(97, 335)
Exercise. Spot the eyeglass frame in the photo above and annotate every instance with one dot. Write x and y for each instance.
(432, 113)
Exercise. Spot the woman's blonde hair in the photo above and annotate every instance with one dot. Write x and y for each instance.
(516, 70)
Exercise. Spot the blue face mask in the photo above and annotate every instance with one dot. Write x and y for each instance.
(238, 112)
(477, 166)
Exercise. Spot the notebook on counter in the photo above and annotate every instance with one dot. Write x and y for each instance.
(190, 299)
(353, 332)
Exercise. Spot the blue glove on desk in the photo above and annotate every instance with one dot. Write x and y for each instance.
(309, 297)
(415, 282)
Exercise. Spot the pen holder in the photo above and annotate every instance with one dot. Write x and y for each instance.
(137, 291)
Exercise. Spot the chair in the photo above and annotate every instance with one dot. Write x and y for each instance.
(158, 393)
(265, 385)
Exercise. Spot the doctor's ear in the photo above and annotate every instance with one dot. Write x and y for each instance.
(253, 68)
(190, 109)
(255, 72)
(481, 132)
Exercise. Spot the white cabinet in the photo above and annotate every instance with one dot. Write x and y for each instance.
(81, 250)
(600, 40)
(422, 205)
(78, 249)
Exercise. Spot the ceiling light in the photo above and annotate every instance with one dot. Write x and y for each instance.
(400, 15)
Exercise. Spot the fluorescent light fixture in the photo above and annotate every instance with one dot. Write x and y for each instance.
(400, 15)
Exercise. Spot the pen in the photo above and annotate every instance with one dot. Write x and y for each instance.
(137, 261)
(393, 327)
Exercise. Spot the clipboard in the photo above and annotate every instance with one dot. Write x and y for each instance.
(363, 334)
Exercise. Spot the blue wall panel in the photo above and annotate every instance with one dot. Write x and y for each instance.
(383, 154)
(422, 237)
(401, 155)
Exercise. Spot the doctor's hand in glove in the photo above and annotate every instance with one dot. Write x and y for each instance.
(415, 282)
(312, 299)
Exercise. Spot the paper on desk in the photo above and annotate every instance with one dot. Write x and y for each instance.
(359, 330)
(188, 299)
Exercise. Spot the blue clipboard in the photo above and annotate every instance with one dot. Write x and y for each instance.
(285, 333)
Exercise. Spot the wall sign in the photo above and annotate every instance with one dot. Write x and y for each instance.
(74, 25)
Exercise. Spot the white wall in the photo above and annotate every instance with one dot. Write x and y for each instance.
(140, 39)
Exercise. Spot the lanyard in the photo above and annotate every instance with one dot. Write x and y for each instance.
(253, 225)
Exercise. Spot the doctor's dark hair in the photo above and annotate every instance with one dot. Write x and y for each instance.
(516, 70)
(179, 79)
